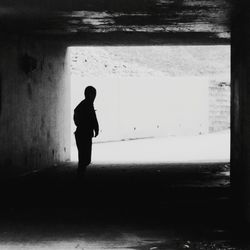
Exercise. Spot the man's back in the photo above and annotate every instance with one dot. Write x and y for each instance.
(85, 118)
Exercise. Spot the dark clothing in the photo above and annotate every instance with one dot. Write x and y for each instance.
(85, 118)
(84, 145)
(87, 126)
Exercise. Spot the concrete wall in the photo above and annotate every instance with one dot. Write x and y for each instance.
(34, 105)
(240, 112)
(130, 107)
(219, 105)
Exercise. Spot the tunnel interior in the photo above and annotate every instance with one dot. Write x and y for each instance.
(148, 196)
(146, 206)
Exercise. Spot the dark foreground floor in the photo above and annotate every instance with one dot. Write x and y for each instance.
(120, 207)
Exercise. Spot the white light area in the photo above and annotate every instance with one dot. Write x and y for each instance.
(214, 147)
(84, 240)
(156, 92)
(139, 107)
(70, 244)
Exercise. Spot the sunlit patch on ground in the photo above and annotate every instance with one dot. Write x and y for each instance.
(213, 147)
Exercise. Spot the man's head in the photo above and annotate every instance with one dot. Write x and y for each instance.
(90, 93)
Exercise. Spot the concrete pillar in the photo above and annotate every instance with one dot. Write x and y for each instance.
(34, 105)
(240, 109)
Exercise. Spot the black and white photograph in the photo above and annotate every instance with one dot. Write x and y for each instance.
(124, 124)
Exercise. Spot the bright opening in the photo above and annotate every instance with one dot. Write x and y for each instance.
(156, 104)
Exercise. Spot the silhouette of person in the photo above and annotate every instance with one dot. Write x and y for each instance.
(87, 127)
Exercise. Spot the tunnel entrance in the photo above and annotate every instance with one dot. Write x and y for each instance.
(156, 104)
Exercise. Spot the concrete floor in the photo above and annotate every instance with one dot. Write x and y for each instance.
(121, 206)
(214, 147)
(144, 206)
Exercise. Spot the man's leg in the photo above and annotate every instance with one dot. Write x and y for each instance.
(84, 145)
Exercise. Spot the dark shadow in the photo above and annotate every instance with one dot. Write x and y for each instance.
(183, 201)
(1, 95)
(181, 193)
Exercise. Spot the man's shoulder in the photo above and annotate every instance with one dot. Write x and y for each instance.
(80, 105)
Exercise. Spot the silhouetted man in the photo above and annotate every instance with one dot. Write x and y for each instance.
(87, 127)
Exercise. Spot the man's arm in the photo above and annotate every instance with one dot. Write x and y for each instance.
(76, 118)
(96, 125)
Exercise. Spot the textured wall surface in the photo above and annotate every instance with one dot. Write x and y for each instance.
(219, 105)
(35, 105)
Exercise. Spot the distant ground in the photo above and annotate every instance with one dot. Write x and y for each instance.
(214, 147)
(134, 61)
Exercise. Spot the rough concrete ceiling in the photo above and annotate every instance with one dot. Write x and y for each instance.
(183, 19)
